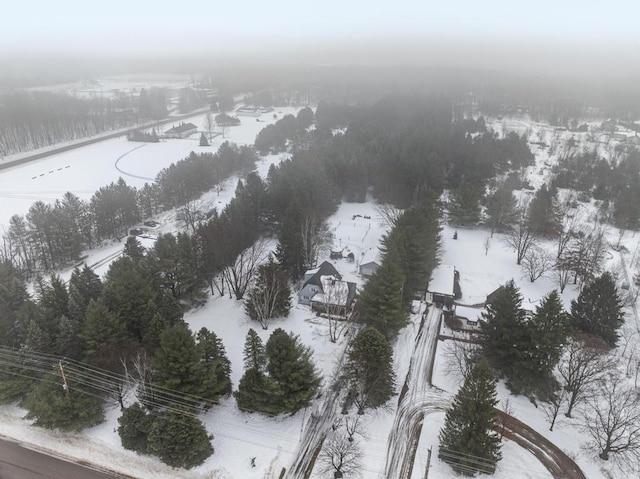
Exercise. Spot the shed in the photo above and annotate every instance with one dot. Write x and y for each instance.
(370, 262)
(470, 317)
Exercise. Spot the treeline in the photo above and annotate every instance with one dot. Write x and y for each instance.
(274, 138)
(34, 119)
(53, 235)
(615, 183)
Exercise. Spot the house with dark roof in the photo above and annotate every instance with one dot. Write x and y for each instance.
(325, 291)
(183, 130)
(313, 283)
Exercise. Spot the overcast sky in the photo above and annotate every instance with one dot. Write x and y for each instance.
(447, 31)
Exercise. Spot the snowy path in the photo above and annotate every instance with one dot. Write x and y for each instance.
(418, 397)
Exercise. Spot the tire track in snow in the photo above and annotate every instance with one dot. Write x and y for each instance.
(131, 174)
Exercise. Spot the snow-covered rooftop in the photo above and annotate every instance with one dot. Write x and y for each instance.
(335, 292)
(372, 255)
(442, 280)
(472, 314)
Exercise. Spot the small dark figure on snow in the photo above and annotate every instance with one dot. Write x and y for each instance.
(455, 235)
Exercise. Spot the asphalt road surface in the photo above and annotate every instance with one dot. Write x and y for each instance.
(16, 462)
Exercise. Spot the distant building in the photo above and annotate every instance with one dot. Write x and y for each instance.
(248, 111)
(183, 130)
(370, 262)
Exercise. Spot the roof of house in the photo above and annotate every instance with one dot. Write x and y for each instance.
(335, 291)
(442, 280)
(182, 128)
(472, 314)
(372, 255)
(325, 269)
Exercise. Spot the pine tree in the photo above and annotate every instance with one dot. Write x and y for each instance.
(179, 439)
(501, 209)
(203, 140)
(54, 408)
(84, 285)
(468, 442)
(258, 392)
(133, 248)
(464, 205)
(369, 369)
(216, 364)
(134, 427)
(598, 309)
(254, 354)
(104, 335)
(382, 298)
(544, 215)
(177, 363)
(271, 296)
(503, 328)
(291, 367)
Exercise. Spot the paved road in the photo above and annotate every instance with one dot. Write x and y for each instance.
(17, 462)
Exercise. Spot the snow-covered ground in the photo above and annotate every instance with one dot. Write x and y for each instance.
(272, 442)
(82, 171)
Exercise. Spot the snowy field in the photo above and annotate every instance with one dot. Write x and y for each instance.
(272, 442)
(82, 171)
(118, 85)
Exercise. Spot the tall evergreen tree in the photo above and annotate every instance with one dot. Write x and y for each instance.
(382, 298)
(544, 215)
(54, 408)
(468, 442)
(257, 391)
(464, 205)
(369, 369)
(254, 354)
(177, 363)
(503, 327)
(216, 364)
(104, 335)
(500, 209)
(598, 309)
(291, 367)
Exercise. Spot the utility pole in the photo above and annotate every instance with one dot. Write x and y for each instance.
(65, 386)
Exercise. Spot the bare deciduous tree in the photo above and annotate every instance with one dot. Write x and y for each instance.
(389, 214)
(241, 272)
(585, 254)
(520, 236)
(613, 422)
(190, 216)
(561, 274)
(583, 363)
(316, 238)
(209, 123)
(460, 357)
(487, 245)
(536, 263)
(341, 456)
(553, 406)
